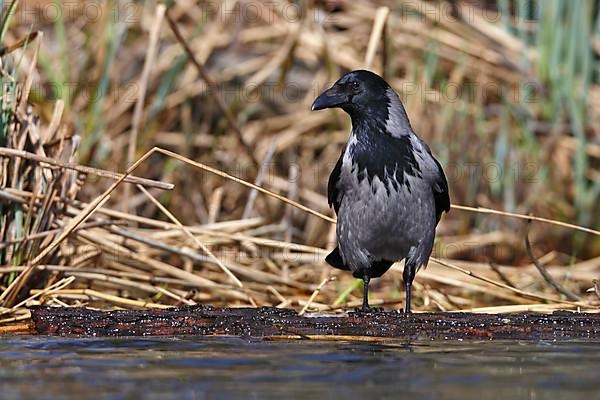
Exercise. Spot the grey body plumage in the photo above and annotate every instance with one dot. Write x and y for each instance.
(387, 189)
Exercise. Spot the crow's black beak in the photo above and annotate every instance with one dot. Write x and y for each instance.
(333, 97)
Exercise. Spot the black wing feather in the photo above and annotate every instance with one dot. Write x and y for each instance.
(440, 192)
(440, 187)
(333, 192)
(335, 260)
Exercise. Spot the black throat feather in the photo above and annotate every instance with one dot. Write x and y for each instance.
(376, 153)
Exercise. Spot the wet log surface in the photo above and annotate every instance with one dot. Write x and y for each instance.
(277, 323)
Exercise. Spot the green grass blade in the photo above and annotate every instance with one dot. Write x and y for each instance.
(6, 17)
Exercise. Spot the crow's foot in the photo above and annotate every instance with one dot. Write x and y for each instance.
(369, 310)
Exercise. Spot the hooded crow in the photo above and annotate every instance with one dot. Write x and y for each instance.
(387, 189)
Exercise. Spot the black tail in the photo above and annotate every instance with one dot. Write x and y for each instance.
(380, 267)
(377, 269)
(335, 260)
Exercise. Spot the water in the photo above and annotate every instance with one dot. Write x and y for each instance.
(201, 368)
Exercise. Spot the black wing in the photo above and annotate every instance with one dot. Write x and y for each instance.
(335, 260)
(333, 192)
(440, 192)
(440, 187)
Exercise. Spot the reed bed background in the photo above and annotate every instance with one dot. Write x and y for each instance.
(507, 93)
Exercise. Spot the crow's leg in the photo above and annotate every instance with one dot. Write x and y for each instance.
(408, 275)
(365, 306)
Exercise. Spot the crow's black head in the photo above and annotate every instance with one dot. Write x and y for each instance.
(357, 92)
(381, 143)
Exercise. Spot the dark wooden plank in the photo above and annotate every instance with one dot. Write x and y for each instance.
(274, 323)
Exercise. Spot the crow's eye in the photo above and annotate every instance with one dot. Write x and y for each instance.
(354, 85)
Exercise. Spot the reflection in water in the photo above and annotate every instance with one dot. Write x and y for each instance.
(196, 368)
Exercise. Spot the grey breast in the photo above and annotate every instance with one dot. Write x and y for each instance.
(375, 222)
